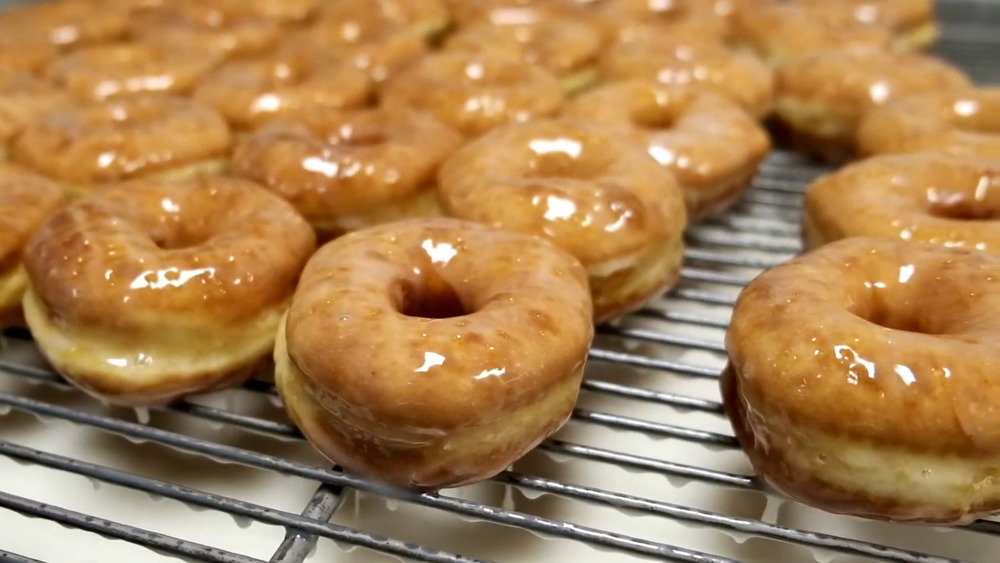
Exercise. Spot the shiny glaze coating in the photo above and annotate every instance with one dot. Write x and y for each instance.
(509, 12)
(928, 197)
(688, 19)
(737, 75)
(64, 24)
(281, 11)
(347, 169)
(371, 39)
(250, 92)
(961, 122)
(123, 138)
(778, 31)
(26, 201)
(432, 353)
(225, 30)
(23, 98)
(476, 91)
(25, 53)
(861, 379)
(911, 21)
(822, 96)
(148, 290)
(711, 144)
(427, 17)
(116, 69)
(596, 195)
(564, 47)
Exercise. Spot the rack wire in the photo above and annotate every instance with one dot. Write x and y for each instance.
(663, 360)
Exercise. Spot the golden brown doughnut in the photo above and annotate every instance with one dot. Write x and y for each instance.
(344, 170)
(911, 22)
(125, 138)
(25, 53)
(676, 19)
(281, 11)
(250, 92)
(597, 195)
(476, 91)
(737, 75)
(23, 98)
(512, 12)
(777, 31)
(861, 379)
(26, 201)
(371, 39)
(146, 291)
(433, 353)
(200, 24)
(565, 47)
(927, 197)
(115, 69)
(65, 23)
(429, 18)
(965, 122)
(711, 144)
(821, 97)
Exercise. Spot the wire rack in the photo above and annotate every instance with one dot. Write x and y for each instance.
(647, 467)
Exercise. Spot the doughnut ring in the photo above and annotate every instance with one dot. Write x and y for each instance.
(146, 291)
(103, 71)
(125, 138)
(861, 379)
(596, 195)
(23, 98)
(711, 144)
(26, 201)
(476, 91)
(433, 353)
(63, 24)
(961, 122)
(224, 30)
(345, 170)
(911, 22)
(928, 197)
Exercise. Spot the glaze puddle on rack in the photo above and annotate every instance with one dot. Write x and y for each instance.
(648, 467)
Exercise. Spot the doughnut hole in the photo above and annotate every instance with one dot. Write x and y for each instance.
(978, 116)
(655, 112)
(978, 201)
(430, 298)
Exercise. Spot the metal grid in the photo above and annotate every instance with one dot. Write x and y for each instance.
(724, 253)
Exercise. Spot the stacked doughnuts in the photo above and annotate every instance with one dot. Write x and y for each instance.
(418, 210)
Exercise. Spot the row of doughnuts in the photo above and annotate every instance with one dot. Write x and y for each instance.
(138, 305)
(861, 374)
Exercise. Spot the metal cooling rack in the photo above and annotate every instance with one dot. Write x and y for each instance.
(665, 358)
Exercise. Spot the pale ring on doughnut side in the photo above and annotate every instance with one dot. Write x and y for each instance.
(862, 379)
(435, 352)
(147, 291)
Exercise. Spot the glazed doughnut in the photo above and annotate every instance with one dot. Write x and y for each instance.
(344, 170)
(282, 11)
(964, 122)
(777, 31)
(860, 379)
(433, 353)
(26, 201)
(737, 75)
(196, 24)
(926, 197)
(821, 97)
(370, 38)
(63, 24)
(676, 19)
(567, 48)
(476, 91)
(249, 92)
(429, 18)
(25, 53)
(597, 195)
(711, 144)
(125, 138)
(147, 291)
(911, 22)
(513, 12)
(103, 71)
(23, 98)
